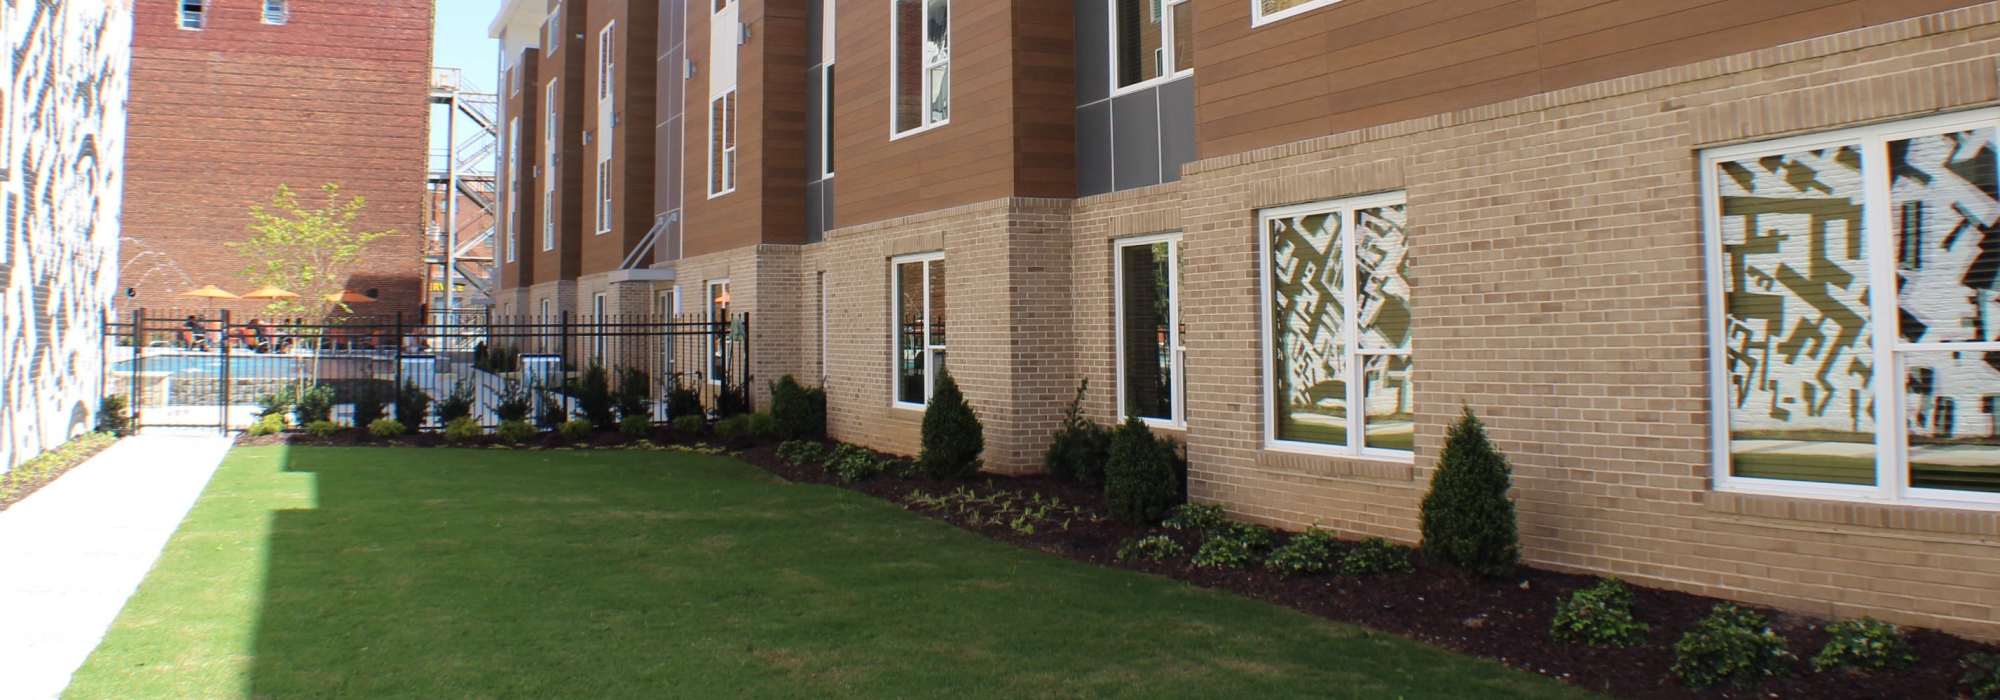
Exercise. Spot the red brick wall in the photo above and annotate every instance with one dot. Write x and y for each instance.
(220, 117)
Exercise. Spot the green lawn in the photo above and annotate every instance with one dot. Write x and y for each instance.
(358, 572)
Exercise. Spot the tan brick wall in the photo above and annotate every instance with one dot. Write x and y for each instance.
(1557, 261)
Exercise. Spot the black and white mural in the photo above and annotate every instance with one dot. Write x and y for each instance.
(64, 145)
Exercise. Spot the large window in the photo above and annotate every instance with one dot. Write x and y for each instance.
(1336, 327)
(1151, 40)
(919, 314)
(1855, 311)
(1149, 329)
(722, 144)
(920, 48)
(1266, 11)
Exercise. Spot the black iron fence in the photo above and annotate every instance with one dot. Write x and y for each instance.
(215, 370)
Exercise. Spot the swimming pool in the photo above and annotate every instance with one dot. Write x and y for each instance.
(251, 365)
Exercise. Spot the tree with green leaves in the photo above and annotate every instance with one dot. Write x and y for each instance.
(307, 251)
(1467, 519)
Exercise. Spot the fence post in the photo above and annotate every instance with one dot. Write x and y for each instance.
(138, 362)
(397, 398)
(223, 389)
(747, 378)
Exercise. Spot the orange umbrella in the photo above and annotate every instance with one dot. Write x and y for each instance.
(271, 293)
(210, 292)
(350, 297)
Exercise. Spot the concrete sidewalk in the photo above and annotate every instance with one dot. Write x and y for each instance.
(73, 552)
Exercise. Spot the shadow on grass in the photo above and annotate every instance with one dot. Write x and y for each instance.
(484, 573)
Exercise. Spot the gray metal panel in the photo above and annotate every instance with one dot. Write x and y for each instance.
(813, 32)
(1093, 149)
(1176, 127)
(813, 124)
(815, 223)
(1135, 140)
(1093, 51)
(827, 222)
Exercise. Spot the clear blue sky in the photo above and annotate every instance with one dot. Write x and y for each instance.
(462, 43)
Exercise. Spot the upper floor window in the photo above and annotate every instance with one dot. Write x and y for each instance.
(552, 35)
(194, 14)
(277, 12)
(604, 191)
(607, 61)
(1853, 297)
(1151, 40)
(1267, 11)
(920, 48)
(1337, 310)
(826, 123)
(722, 144)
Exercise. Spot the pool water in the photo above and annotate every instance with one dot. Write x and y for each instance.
(245, 365)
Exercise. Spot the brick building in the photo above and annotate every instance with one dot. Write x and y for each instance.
(232, 99)
(1639, 239)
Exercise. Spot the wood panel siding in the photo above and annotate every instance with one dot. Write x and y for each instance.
(1364, 62)
(768, 205)
(1011, 129)
(566, 65)
(524, 107)
(634, 90)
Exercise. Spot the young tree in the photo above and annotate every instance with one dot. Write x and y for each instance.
(1467, 519)
(305, 251)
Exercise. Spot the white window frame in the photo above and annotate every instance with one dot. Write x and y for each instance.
(1259, 19)
(728, 164)
(709, 307)
(597, 344)
(1892, 473)
(277, 12)
(1167, 57)
(895, 330)
(554, 37)
(191, 15)
(1357, 413)
(924, 121)
(513, 219)
(826, 121)
(548, 219)
(1176, 345)
(551, 150)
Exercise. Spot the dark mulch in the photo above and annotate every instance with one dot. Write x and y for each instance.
(1505, 620)
(28, 477)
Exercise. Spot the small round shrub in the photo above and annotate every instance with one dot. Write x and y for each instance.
(314, 405)
(762, 426)
(270, 424)
(1375, 556)
(635, 426)
(576, 431)
(463, 429)
(1194, 517)
(113, 415)
(1141, 483)
(689, 424)
(369, 406)
(733, 427)
(386, 428)
(855, 466)
(1866, 643)
(802, 452)
(1224, 552)
(1311, 552)
(953, 437)
(1600, 616)
(322, 429)
(1150, 548)
(800, 412)
(1732, 645)
(515, 432)
(1081, 446)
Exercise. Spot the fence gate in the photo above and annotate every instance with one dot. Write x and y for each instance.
(216, 371)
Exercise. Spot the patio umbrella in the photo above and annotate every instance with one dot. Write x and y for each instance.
(210, 292)
(271, 293)
(349, 296)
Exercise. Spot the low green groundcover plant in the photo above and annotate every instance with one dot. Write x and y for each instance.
(691, 424)
(851, 464)
(1732, 645)
(635, 426)
(1375, 556)
(1865, 643)
(1982, 676)
(48, 464)
(802, 452)
(1599, 616)
(746, 425)
(322, 429)
(1194, 517)
(576, 431)
(1150, 548)
(387, 428)
(1311, 552)
(1235, 546)
(515, 432)
(463, 429)
(269, 424)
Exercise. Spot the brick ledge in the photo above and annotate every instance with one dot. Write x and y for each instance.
(1336, 467)
(1873, 516)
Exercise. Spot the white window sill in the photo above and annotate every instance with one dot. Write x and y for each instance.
(1151, 83)
(1317, 450)
(1258, 20)
(894, 135)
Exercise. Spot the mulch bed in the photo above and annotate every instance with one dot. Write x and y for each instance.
(19, 487)
(1506, 620)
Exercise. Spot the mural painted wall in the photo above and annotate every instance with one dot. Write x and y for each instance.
(63, 135)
